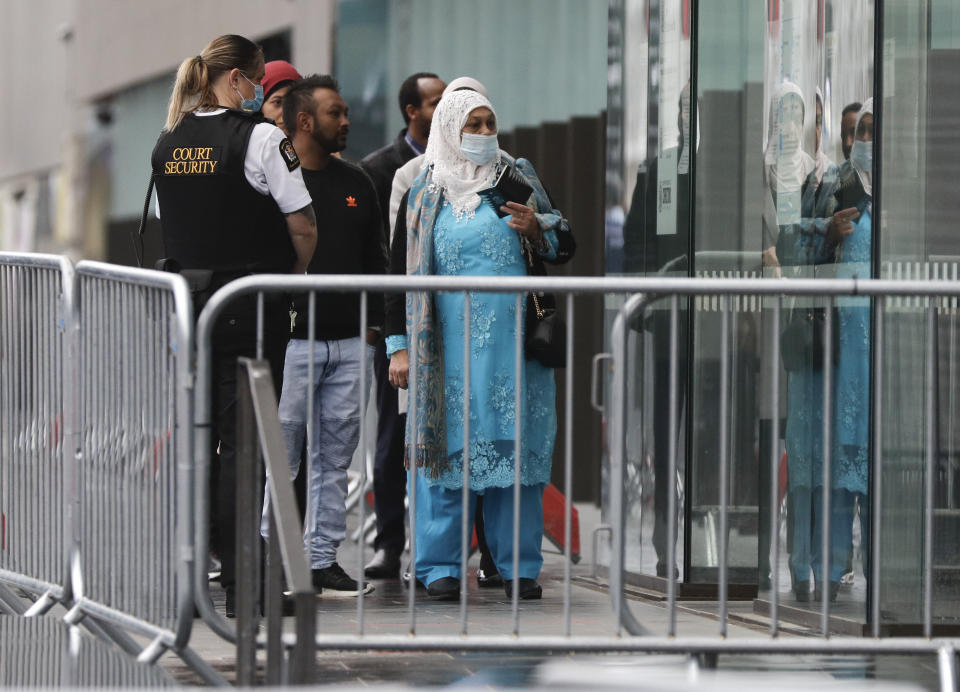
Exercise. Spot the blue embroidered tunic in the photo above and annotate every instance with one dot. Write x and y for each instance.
(483, 245)
(803, 245)
(852, 379)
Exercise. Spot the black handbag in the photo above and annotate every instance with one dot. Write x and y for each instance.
(546, 332)
(804, 338)
(546, 338)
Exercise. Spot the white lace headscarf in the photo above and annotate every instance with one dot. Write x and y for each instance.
(787, 165)
(453, 173)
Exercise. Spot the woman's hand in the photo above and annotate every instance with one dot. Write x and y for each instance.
(399, 369)
(841, 225)
(524, 220)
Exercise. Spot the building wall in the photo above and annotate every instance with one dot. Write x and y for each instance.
(115, 59)
(541, 60)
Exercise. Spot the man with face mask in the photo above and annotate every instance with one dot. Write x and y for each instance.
(349, 242)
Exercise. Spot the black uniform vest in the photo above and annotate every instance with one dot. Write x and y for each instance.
(212, 218)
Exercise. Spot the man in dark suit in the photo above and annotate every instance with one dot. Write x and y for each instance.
(419, 95)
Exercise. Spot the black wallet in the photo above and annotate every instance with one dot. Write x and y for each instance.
(512, 186)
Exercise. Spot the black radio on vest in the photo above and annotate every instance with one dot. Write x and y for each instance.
(212, 218)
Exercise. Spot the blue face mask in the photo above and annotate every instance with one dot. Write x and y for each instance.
(861, 156)
(256, 103)
(479, 148)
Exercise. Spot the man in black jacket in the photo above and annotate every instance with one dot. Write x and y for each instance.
(349, 241)
(419, 95)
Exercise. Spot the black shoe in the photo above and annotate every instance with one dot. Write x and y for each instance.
(444, 589)
(833, 590)
(530, 590)
(335, 583)
(801, 591)
(662, 570)
(486, 580)
(230, 605)
(385, 564)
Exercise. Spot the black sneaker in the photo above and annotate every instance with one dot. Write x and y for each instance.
(336, 583)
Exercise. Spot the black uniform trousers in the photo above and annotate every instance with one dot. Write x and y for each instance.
(660, 324)
(234, 336)
(389, 475)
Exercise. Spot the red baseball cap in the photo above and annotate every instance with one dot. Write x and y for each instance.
(275, 73)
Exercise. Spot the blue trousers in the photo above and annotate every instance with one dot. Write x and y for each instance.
(438, 519)
(808, 540)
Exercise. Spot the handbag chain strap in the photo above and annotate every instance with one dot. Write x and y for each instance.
(536, 305)
(527, 251)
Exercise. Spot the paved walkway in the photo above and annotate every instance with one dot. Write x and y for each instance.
(489, 613)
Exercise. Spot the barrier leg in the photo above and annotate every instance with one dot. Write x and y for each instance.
(10, 602)
(947, 660)
(41, 605)
(152, 653)
(202, 668)
(108, 633)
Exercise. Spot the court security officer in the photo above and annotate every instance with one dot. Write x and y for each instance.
(233, 203)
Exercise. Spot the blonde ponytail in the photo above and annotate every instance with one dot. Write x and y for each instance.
(193, 88)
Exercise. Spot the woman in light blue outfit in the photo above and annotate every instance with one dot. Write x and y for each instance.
(851, 390)
(453, 228)
(823, 236)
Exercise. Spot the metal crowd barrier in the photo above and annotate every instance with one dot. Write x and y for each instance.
(96, 510)
(929, 296)
(134, 471)
(36, 299)
(46, 653)
(316, 286)
(642, 293)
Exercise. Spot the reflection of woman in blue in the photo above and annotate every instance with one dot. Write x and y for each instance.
(852, 377)
(801, 244)
(808, 241)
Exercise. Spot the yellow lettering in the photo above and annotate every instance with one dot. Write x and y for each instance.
(191, 161)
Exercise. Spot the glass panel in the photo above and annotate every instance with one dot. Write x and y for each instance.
(919, 208)
(772, 83)
(648, 234)
(727, 206)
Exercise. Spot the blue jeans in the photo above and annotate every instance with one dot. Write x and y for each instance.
(438, 530)
(336, 432)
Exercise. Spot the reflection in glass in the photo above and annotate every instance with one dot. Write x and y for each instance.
(654, 165)
(816, 223)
